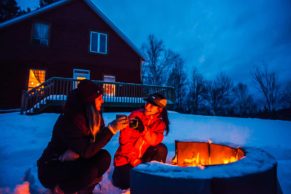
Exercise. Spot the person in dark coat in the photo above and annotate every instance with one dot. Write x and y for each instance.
(74, 160)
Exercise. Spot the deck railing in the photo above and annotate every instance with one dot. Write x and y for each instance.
(54, 91)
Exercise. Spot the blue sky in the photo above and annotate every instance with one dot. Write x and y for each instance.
(215, 36)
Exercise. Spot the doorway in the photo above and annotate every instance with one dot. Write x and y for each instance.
(109, 89)
(80, 74)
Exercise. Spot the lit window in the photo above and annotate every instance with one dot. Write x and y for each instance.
(109, 89)
(98, 42)
(36, 77)
(40, 33)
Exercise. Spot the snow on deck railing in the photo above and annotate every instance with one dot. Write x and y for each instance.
(56, 89)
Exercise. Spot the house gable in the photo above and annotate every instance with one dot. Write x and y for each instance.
(64, 2)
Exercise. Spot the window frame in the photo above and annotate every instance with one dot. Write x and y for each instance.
(98, 51)
(38, 41)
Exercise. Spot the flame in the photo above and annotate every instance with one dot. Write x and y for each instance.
(230, 160)
(175, 160)
(195, 161)
(205, 153)
(198, 161)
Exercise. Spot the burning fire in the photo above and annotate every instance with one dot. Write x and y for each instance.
(198, 161)
(205, 154)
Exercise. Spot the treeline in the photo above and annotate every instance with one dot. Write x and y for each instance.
(220, 96)
(10, 9)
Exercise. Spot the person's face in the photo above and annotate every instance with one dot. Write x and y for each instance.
(98, 102)
(151, 109)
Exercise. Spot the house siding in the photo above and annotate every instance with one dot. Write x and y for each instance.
(70, 27)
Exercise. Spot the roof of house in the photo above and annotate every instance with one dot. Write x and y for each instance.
(62, 2)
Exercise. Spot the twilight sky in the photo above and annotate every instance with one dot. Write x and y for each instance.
(215, 36)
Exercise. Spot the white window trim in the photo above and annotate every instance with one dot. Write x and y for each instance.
(109, 76)
(98, 42)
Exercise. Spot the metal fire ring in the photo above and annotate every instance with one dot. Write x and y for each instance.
(255, 173)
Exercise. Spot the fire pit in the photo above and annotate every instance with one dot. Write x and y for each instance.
(207, 168)
(205, 154)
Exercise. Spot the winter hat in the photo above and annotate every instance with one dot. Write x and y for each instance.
(88, 90)
(157, 100)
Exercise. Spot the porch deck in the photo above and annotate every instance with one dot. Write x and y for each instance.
(54, 92)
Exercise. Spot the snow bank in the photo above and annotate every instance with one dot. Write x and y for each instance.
(23, 139)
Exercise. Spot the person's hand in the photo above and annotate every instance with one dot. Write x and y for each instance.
(118, 124)
(69, 155)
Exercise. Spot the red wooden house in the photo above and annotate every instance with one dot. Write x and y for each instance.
(69, 38)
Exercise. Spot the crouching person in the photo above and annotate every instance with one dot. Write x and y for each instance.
(74, 160)
(141, 141)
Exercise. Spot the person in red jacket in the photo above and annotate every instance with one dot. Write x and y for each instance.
(141, 141)
(74, 160)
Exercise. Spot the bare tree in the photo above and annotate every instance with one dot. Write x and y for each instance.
(198, 91)
(268, 85)
(286, 95)
(178, 79)
(243, 102)
(219, 93)
(8, 9)
(158, 60)
(43, 3)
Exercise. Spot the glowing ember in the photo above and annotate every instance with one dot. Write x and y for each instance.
(205, 154)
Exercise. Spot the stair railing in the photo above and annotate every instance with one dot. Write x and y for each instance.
(56, 89)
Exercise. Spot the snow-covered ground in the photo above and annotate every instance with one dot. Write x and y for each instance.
(23, 138)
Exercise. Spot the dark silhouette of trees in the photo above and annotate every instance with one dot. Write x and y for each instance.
(8, 9)
(158, 61)
(243, 102)
(219, 95)
(286, 95)
(24, 11)
(267, 83)
(178, 80)
(43, 3)
(164, 67)
(197, 92)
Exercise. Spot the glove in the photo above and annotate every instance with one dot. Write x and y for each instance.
(118, 124)
(140, 126)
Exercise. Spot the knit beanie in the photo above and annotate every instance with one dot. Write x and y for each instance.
(88, 90)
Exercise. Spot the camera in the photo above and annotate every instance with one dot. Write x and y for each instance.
(133, 123)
